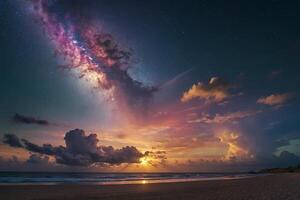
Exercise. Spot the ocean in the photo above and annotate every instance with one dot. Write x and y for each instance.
(53, 178)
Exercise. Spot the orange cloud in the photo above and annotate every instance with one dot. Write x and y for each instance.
(275, 99)
(216, 90)
(235, 149)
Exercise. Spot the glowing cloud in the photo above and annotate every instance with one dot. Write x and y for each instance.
(234, 148)
(275, 99)
(215, 91)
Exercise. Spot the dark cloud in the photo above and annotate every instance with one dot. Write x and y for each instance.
(282, 142)
(82, 150)
(38, 159)
(284, 159)
(78, 143)
(47, 149)
(12, 140)
(35, 162)
(287, 157)
(11, 163)
(22, 119)
(156, 154)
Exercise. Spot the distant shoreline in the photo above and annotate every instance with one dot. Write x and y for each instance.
(292, 169)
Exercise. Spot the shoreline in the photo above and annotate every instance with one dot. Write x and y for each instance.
(275, 186)
(145, 180)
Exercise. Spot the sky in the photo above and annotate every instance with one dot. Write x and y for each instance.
(149, 86)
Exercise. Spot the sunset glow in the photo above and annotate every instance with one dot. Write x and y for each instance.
(112, 87)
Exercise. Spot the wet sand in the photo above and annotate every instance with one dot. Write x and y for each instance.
(278, 186)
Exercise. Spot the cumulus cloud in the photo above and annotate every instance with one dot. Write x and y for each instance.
(275, 99)
(235, 148)
(82, 150)
(12, 140)
(216, 90)
(220, 119)
(22, 119)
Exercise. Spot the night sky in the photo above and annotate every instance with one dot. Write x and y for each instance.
(99, 85)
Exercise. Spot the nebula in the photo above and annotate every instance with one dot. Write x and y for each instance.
(94, 54)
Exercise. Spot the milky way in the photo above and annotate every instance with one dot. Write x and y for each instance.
(95, 54)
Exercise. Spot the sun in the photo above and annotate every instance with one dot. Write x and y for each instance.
(144, 161)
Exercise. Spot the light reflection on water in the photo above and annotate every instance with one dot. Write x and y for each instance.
(179, 180)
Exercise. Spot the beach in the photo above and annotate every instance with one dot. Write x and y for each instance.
(276, 186)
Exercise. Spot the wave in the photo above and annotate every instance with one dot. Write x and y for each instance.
(111, 178)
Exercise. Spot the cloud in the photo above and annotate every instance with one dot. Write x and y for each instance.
(221, 119)
(284, 160)
(275, 99)
(156, 154)
(38, 159)
(287, 156)
(282, 142)
(235, 149)
(216, 90)
(35, 162)
(82, 150)
(10, 163)
(22, 119)
(47, 149)
(12, 140)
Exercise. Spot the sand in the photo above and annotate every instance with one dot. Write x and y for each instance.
(278, 186)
